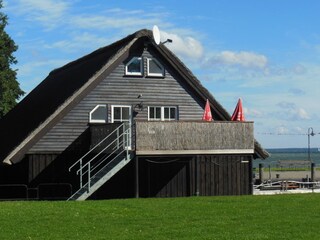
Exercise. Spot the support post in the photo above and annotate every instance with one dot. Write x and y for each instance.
(313, 172)
(261, 169)
(269, 172)
(197, 175)
(137, 178)
(250, 176)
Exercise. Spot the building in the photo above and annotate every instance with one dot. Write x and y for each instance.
(144, 107)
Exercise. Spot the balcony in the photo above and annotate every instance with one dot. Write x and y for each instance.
(194, 137)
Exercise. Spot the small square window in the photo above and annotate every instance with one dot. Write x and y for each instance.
(98, 114)
(155, 68)
(134, 66)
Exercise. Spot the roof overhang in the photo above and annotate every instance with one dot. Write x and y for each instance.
(21, 149)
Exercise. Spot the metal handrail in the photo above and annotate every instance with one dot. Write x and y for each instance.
(114, 151)
(99, 163)
(98, 144)
(87, 169)
(83, 166)
(300, 183)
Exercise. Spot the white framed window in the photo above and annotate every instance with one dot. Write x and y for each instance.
(123, 113)
(98, 114)
(163, 113)
(134, 67)
(154, 68)
(154, 113)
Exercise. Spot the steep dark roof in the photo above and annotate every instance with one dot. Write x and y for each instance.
(63, 88)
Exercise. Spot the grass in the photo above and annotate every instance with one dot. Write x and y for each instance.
(243, 217)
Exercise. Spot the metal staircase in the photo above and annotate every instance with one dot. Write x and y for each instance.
(103, 161)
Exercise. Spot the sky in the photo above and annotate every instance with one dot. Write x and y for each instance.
(265, 52)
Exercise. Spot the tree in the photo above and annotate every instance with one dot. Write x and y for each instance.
(10, 91)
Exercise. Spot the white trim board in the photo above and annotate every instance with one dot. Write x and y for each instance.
(195, 152)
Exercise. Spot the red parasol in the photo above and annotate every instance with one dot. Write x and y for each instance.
(238, 114)
(207, 116)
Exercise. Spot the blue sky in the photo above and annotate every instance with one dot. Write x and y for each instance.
(266, 52)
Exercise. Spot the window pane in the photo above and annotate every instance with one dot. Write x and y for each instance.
(117, 113)
(151, 112)
(173, 113)
(158, 113)
(155, 67)
(166, 113)
(99, 114)
(134, 66)
(125, 113)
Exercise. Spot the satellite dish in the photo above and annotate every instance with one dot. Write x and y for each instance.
(156, 34)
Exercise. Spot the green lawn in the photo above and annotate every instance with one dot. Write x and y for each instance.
(245, 217)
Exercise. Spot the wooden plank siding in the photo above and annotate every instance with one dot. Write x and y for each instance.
(224, 175)
(165, 179)
(118, 89)
(204, 175)
(37, 163)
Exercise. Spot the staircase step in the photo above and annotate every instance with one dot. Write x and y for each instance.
(113, 156)
(101, 177)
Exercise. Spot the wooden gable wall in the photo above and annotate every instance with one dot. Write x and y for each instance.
(118, 89)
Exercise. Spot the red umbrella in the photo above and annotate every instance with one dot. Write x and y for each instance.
(238, 114)
(207, 116)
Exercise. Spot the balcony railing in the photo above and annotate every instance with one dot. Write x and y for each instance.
(194, 137)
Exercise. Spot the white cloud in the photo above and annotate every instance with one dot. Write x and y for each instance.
(101, 22)
(77, 43)
(184, 46)
(299, 69)
(302, 113)
(291, 130)
(120, 11)
(291, 111)
(282, 130)
(296, 92)
(28, 69)
(34, 72)
(299, 130)
(242, 59)
(253, 113)
(47, 12)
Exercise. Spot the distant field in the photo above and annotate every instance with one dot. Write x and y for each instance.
(244, 217)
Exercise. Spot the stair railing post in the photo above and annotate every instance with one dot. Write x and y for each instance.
(124, 136)
(128, 142)
(80, 173)
(118, 138)
(89, 176)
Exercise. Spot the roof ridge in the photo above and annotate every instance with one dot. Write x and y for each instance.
(119, 43)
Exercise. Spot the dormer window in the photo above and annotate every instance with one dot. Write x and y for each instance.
(134, 67)
(98, 114)
(155, 69)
